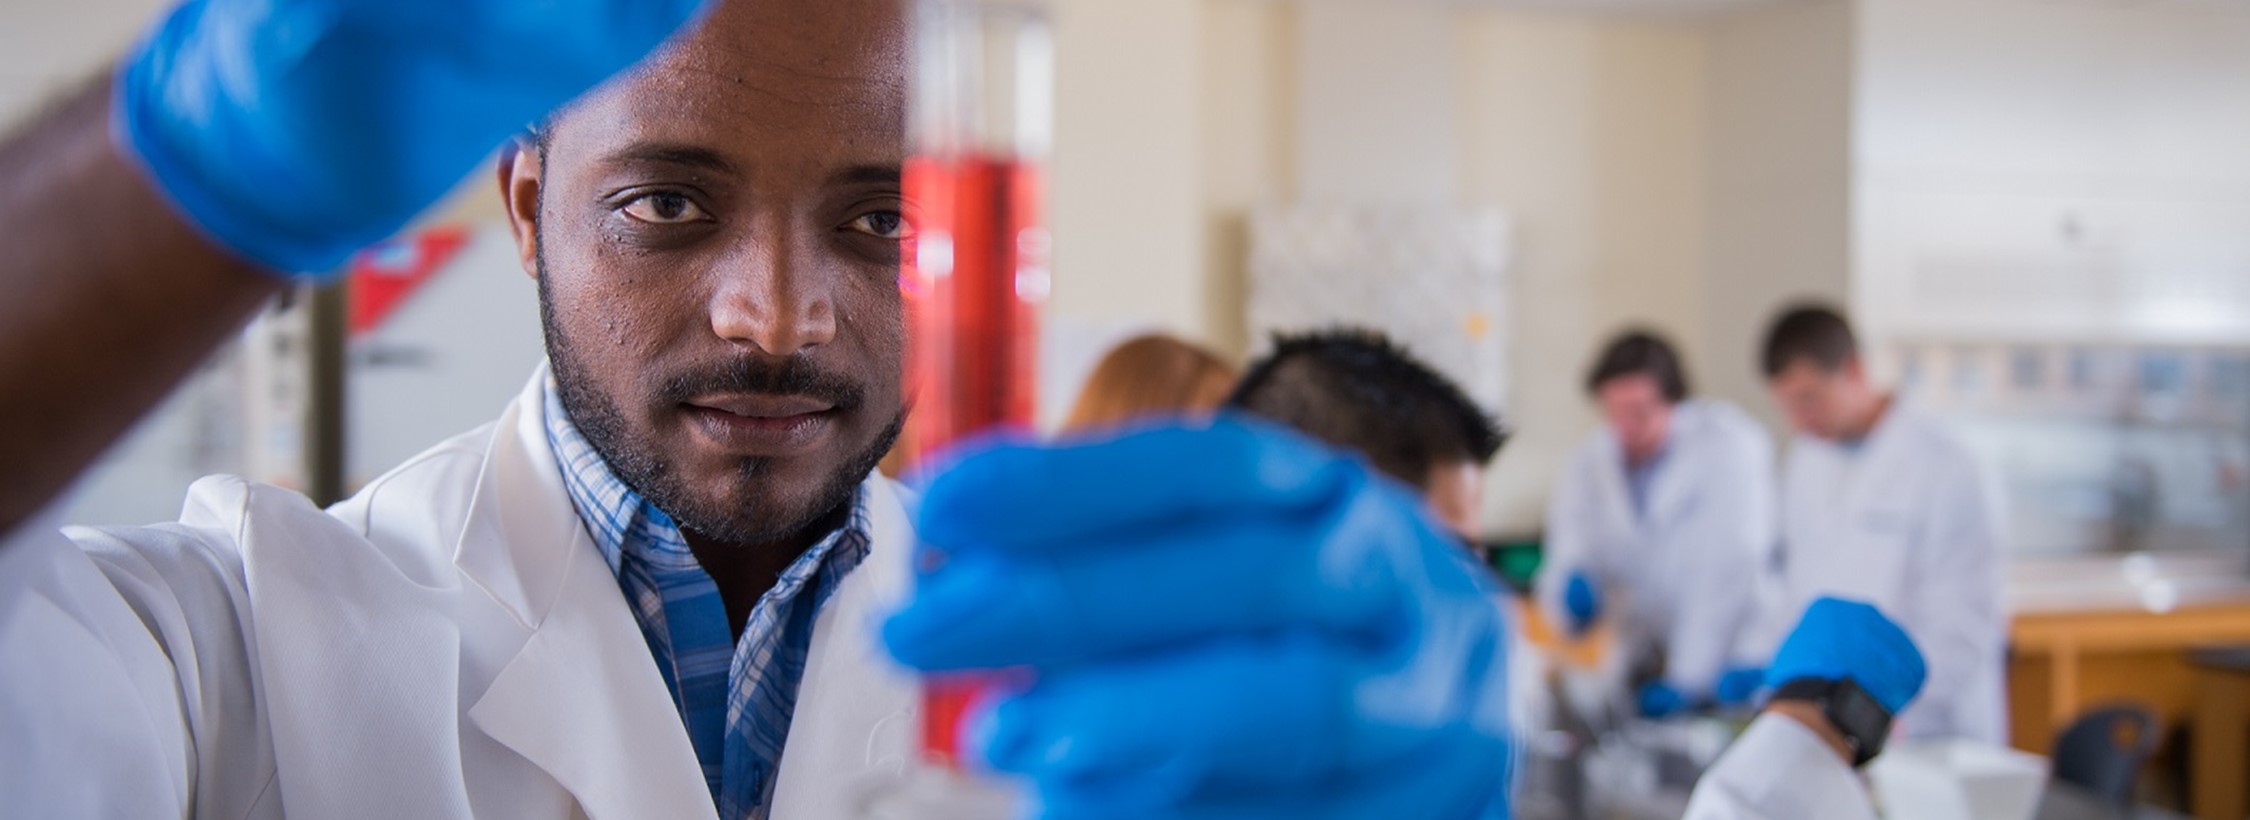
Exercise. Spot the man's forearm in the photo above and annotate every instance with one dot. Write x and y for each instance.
(107, 299)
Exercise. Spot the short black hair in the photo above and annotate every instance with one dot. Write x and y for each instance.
(1811, 332)
(1641, 353)
(1356, 389)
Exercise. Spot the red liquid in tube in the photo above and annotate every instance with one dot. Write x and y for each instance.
(973, 280)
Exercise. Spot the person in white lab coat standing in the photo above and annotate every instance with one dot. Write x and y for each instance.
(1655, 523)
(1880, 502)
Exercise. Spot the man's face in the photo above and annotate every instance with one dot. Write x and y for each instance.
(1635, 408)
(716, 238)
(1817, 402)
(1456, 496)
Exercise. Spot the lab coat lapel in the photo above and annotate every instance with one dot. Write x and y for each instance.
(1669, 491)
(581, 698)
(1870, 473)
(857, 719)
(1615, 497)
(583, 702)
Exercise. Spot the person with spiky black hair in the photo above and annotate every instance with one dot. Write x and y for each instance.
(1358, 390)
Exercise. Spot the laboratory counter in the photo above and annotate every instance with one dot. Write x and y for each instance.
(2092, 629)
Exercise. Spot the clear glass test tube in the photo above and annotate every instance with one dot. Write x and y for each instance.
(974, 278)
(977, 272)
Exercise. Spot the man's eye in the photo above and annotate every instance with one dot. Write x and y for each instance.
(883, 224)
(664, 209)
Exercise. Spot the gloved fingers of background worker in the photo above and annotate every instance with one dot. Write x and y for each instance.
(1739, 685)
(1658, 700)
(1458, 775)
(1582, 599)
(297, 132)
(1016, 496)
(1836, 639)
(1334, 569)
(1267, 715)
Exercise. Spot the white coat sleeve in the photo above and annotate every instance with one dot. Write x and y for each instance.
(1729, 531)
(125, 664)
(1568, 543)
(1956, 611)
(1780, 770)
(90, 722)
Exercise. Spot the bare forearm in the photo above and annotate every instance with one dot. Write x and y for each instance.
(107, 299)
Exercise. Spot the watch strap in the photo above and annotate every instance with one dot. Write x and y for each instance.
(1862, 720)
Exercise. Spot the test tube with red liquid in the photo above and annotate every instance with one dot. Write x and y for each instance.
(976, 271)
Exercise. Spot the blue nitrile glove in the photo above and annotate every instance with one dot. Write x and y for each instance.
(1582, 601)
(1738, 686)
(1224, 622)
(1840, 639)
(1658, 700)
(298, 131)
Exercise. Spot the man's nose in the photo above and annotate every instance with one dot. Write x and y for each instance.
(769, 297)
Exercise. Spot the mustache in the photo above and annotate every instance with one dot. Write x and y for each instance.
(796, 375)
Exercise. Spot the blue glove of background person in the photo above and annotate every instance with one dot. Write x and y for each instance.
(1739, 686)
(1658, 700)
(1226, 622)
(298, 131)
(1583, 601)
(1838, 639)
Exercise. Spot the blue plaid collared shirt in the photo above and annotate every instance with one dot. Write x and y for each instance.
(736, 696)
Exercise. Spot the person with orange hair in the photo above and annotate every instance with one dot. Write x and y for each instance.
(1152, 375)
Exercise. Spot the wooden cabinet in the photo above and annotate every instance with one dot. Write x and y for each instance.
(2061, 662)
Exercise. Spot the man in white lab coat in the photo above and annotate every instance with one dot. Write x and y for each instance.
(1880, 502)
(661, 565)
(1657, 520)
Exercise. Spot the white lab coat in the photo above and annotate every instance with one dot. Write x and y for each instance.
(1681, 576)
(1780, 769)
(447, 644)
(1910, 520)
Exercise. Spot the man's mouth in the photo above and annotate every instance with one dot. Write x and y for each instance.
(762, 405)
(762, 424)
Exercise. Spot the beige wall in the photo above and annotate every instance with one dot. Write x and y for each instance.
(1591, 136)
(1247, 102)
(1127, 188)
(48, 48)
(1780, 196)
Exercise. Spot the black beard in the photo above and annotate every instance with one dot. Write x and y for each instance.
(645, 470)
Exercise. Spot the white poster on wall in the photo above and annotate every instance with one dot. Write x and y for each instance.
(1433, 278)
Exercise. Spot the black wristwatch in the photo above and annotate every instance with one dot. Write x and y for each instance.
(1857, 715)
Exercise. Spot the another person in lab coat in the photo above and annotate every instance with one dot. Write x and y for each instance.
(1657, 520)
(1880, 502)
